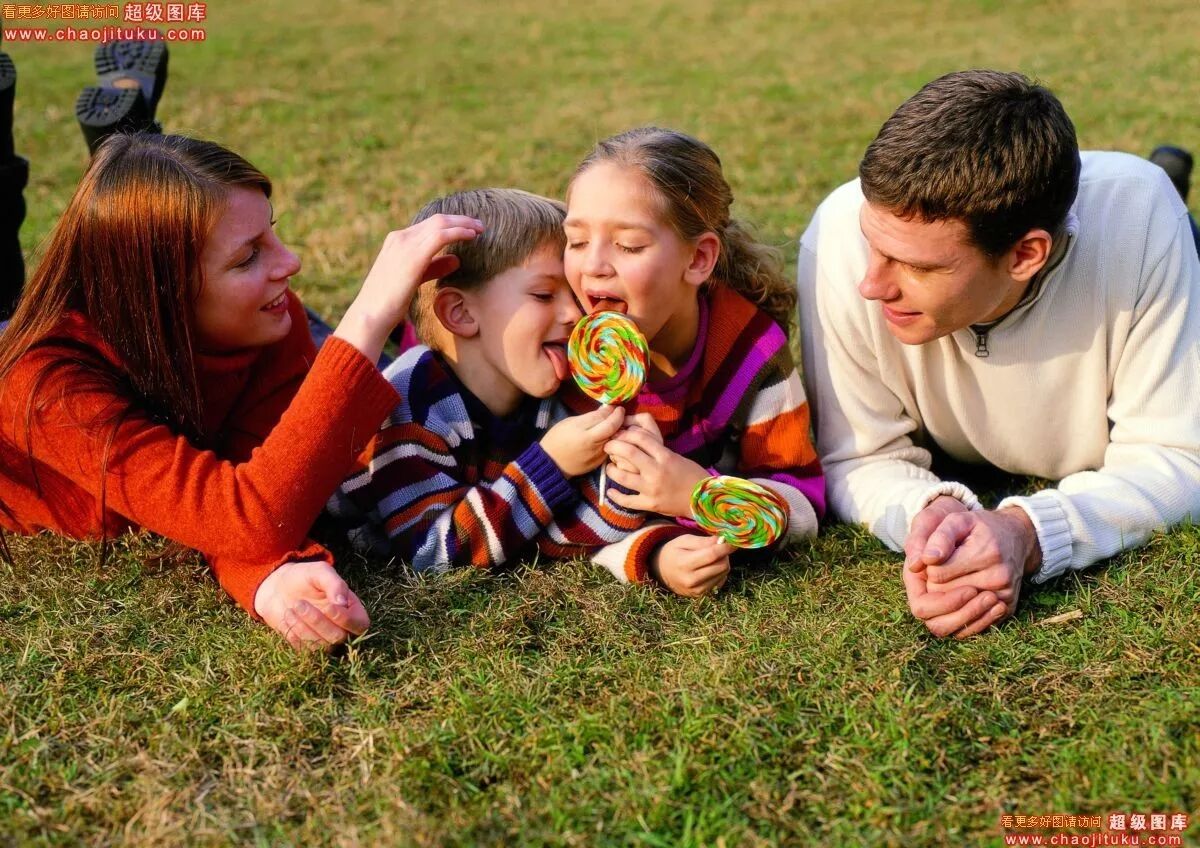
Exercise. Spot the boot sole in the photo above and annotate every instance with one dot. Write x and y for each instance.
(134, 64)
(104, 111)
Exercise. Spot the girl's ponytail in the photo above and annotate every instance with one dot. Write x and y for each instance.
(755, 271)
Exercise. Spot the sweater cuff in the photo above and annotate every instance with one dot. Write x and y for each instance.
(1053, 532)
(894, 525)
(689, 522)
(546, 477)
(802, 516)
(641, 552)
(373, 394)
(955, 490)
(241, 579)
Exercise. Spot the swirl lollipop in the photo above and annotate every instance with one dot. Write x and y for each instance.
(744, 514)
(607, 354)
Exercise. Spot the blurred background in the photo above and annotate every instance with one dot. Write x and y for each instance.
(361, 112)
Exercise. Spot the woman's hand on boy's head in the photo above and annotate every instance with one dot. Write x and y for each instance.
(692, 566)
(576, 444)
(310, 605)
(660, 479)
(408, 258)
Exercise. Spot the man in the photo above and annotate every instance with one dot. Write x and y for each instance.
(984, 290)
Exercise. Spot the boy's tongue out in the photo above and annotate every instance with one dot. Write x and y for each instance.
(557, 352)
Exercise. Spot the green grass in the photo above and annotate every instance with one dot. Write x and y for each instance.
(550, 705)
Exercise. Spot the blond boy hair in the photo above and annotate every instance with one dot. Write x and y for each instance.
(517, 224)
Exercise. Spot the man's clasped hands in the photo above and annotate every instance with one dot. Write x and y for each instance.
(963, 568)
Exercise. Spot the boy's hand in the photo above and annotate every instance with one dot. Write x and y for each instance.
(661, 479)
(408, 258)
(310, 605)
(692, 566)
(576, 444)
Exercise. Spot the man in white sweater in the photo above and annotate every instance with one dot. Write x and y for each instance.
(984, 289)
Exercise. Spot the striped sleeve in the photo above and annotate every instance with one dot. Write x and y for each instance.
(590, 526)
(622, 541)
(629, 559)
(412, 499)
(776, 450)
(422, 492)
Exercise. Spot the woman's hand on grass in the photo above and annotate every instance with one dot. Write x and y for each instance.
(310, 605)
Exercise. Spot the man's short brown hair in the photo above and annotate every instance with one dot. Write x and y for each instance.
(516, 225)
(989, 148)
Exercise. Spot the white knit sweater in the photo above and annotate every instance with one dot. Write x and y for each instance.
(1093, 380)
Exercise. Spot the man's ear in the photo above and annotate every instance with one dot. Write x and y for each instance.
(705, 254)
(1029, 255)
(453, 312)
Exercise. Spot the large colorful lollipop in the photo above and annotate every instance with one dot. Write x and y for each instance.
(744, 514)
(607, 354)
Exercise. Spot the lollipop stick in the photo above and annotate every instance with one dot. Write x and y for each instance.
(603, 476)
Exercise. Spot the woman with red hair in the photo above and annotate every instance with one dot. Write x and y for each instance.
(159, 373)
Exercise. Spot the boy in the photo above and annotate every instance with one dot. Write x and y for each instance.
(479, 459)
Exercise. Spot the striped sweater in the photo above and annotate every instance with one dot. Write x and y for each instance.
(446, 483)
(737, 407)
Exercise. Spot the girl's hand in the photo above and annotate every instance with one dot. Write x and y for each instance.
(642, 421)
(408, 258)
(576, 444)
(692, 566)
(661, 479)
(310, 606)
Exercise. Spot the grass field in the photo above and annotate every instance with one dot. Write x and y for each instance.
(550, 705)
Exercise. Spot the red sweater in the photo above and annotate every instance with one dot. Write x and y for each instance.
(287, 423)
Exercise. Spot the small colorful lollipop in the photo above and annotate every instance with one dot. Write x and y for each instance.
(744, 514)
(607, 354)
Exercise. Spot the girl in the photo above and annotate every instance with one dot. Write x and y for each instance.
(159, 373)
(649, 234)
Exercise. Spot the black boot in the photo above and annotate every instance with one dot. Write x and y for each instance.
(1178, 163)
(104, 111)
(132, 76)
(14, 174)
(134, 64)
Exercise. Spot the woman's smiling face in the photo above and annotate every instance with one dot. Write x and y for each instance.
(243, 301)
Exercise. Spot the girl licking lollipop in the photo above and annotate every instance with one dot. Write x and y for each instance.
(649, 235)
